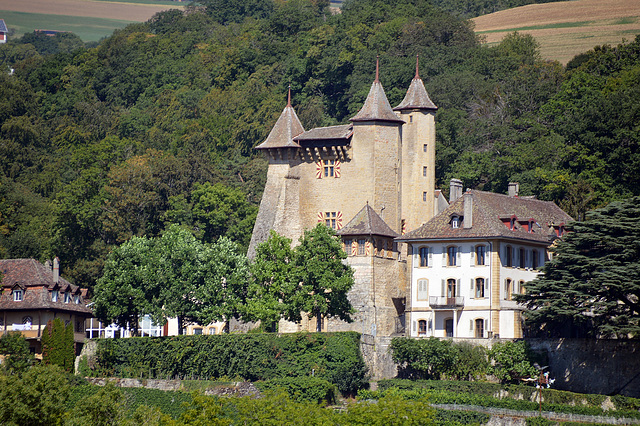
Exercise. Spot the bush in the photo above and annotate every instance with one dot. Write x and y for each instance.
(334, 357)
(458, 417)
(310, 389)
(512, 361)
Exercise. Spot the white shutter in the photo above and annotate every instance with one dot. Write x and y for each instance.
(458, 287)
(443, 289)
(471, 287)
(470, 325)
(486, 285)
(430, 251)
(472, 257)
(459, 257)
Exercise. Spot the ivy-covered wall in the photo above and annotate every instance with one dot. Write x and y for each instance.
(335, 357)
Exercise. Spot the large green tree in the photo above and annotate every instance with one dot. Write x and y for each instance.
(594, 276)
(324, 279)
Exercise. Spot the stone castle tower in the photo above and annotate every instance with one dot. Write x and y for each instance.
(371, 180)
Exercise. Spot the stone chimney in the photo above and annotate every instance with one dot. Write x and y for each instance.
(467, 221)
(56, 270)
(514, 189)
(455, 190)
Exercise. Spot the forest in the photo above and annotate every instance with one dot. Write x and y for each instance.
(156, 124)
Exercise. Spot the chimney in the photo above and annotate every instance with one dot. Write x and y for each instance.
(467, 221)
(514, 189)
(455, 190)
(56, 270)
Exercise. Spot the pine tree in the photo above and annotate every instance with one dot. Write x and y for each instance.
(594, 276)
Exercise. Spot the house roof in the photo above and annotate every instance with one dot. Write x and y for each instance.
(341, 132)
(37, 280)
(490, 215)
(3, 26)
(286, 128)
(367, 222)
(417, 96)
(376, 107)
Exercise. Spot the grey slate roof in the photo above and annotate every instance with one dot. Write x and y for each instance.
(376, 107)
(488, 211)
(343, 131)
(3, 26)
(37, 281)
(286, 128)
(367, 222)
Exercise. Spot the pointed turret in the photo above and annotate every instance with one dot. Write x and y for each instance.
(416, 97)
(286, 128)
(376, 107)
(367, 222)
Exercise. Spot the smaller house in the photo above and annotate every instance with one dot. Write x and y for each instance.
(469, 260)
(4, 32)
(33, 294)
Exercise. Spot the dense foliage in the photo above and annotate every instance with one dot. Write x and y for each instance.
(435, 358)
(156, 124)
(593, 280)
(58, 346)
(17, 356)
(334, 357)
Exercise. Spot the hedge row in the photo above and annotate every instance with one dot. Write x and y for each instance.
(335, 357)
(550, 396)
(450, 397)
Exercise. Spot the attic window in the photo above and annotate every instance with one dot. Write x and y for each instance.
(18, 295)
(455, 222)
(76, 299)
(54, 295)
(67, 297)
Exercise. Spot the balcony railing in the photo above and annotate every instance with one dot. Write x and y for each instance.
(441, 302)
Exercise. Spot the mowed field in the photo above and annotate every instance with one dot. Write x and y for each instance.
(565, 29)
(89, 19)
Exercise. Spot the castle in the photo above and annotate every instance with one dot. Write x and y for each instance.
(370, 180)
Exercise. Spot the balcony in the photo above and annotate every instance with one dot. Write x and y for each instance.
(441, 302)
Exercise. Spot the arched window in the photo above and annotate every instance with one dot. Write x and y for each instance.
(480, 255)
(479, 328)
(508, 289)
(451, 288)
(422, 327)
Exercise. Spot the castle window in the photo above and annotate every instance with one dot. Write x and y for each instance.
(452, 252)
(479, 328)
(422, 327)
(479, 288)
(424, 196)
(411, 119)
(480, 255)
(347, 247)
(424, 256)
(424, 148)
(424, 171)
(508, 256)
(508, 289)
(329, 168)
(17, 295)
(361, 247)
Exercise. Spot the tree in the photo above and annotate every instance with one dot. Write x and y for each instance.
(273, 283)
(58, 347)
(594, 275)
(324, 280)
(512, 361)
(18, 358)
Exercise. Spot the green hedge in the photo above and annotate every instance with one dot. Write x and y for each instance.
(311, 389)
(450, 397)
(458, 417)
(335, 357)
(550, 396)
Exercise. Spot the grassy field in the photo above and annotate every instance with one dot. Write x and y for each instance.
(565, 29)
(91, 20)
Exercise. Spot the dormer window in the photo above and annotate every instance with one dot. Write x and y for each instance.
(18, 295)
(67, 297)
(76, 299)
(455, 222)
(54, 295)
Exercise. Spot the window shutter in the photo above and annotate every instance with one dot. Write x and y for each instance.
(443, 289)
(339, 220)
(319, 170)
(414, 326)
(472, 258)
(486, 284)
(527, 256)
(444, 256)
(320, 217)
(367, 248)
(470, 325)
(516, 257)
(354, 247)
(336, 169)
(430, 251)
(471, 287)
(458, 287)
(459, 256)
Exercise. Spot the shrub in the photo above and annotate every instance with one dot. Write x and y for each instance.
(512, 361)
(426, 358)
(310, 389)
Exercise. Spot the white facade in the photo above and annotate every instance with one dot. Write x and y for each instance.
(464, 288)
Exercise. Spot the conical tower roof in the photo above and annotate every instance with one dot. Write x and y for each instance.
(417, 96)
(286, 128)
(367, 222)
(376, 107)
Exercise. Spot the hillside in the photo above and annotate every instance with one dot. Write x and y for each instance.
(565, 29)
